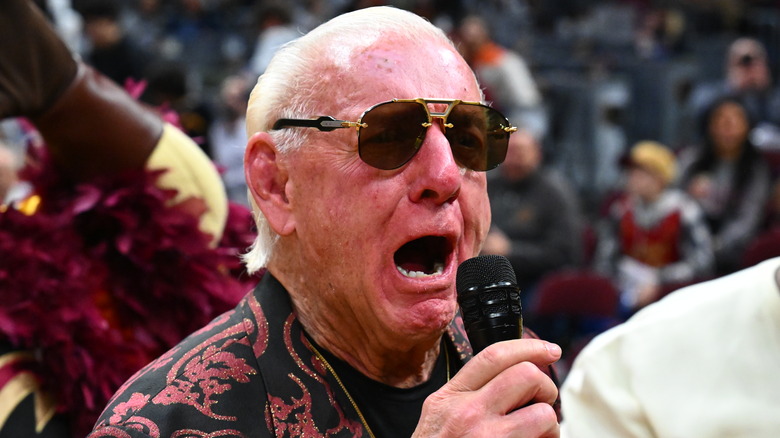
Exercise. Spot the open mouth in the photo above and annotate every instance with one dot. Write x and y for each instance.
(423, 257)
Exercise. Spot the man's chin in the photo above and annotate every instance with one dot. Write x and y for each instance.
(427, 319)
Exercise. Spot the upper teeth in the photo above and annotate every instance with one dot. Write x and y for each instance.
(438, 268)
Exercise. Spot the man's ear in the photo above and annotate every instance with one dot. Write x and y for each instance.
(266, 178)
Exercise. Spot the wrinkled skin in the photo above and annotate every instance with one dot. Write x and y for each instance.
(342, 221)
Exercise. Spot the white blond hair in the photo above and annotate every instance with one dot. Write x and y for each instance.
(296, 77)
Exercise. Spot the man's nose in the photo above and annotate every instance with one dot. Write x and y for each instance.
(437, 175)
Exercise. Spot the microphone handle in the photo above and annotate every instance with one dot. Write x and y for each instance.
(491, 331)
(491, 314)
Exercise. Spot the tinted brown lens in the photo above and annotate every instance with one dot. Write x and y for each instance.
(477, 137)
(393, 134)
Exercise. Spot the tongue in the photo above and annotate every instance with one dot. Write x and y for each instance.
(414, 267)
(413, 258)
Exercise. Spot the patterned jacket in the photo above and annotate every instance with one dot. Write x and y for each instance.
(249, 373)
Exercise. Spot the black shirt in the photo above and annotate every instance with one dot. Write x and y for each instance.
(390, 411)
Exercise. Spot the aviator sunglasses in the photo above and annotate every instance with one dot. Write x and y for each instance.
(391, 133)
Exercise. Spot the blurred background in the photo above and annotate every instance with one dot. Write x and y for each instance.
(585, 80)
(610, 72)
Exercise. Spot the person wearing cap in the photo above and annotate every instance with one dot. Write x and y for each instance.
(653, 238)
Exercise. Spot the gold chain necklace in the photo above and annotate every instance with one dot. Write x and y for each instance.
(349, 396)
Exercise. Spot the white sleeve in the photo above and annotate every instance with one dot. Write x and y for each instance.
(596, 397)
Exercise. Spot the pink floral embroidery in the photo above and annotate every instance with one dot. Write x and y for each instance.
(143, 425)
(294, 418)
(223, 339)
(261, 343)
(122, 410)
(115, 432)
(206, 376)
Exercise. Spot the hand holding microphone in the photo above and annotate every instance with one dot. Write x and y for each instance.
(501, 391)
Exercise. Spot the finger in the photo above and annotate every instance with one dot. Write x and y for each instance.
(498, 357)
(537, 420)
(518, 385)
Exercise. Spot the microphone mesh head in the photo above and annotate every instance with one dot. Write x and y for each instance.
(484, 270)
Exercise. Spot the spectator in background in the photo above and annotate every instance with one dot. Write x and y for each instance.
(275, 26)
(504, 76)
(66, 21)
(444, 14)
(145, 23)
(729, 178)
(111, 51)
(654, 238)
(193, 33)
(537, 223)
(747, 76)
(169, 87)
(227, 136)
(659, 34)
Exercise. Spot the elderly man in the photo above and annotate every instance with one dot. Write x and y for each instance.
(353, 329)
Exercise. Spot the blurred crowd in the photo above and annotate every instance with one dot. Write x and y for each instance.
(649, 149)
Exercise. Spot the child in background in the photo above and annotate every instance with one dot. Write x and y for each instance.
(654, 238)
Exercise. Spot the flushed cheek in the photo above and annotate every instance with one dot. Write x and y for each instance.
(357, 217)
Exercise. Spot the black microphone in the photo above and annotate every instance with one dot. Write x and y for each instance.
(489, 300)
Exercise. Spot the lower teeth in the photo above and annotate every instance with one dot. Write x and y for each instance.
(438, 268)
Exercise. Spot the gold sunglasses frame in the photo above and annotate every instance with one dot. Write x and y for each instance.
(329, 123)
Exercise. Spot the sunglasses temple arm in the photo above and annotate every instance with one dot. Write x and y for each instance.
(323, 123)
